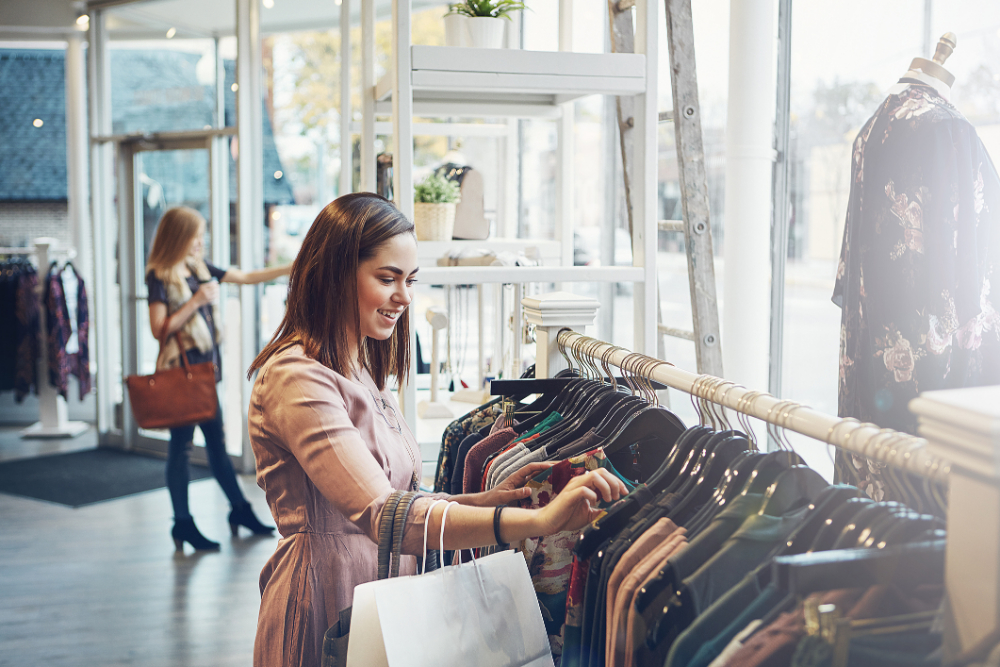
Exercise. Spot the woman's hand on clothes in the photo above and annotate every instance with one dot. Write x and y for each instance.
(512, 488)
(576, 505)
(207, 293)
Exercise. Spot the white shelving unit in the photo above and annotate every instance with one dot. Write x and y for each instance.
(433, 81)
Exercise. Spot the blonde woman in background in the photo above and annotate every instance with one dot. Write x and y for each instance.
(183, 293)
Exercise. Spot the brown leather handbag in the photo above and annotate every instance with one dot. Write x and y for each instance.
(174, 397)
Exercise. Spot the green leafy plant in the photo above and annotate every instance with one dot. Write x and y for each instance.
(498, 9)
(436, 190)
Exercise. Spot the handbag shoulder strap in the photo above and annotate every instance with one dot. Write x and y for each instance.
(163, 341)
(385, 531)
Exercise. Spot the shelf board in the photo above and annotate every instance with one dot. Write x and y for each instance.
(510, 79)
(471, 275)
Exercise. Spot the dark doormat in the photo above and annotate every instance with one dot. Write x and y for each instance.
(87, 477)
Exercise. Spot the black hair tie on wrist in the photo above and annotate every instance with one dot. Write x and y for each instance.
(496, 526)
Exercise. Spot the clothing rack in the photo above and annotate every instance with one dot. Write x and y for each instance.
(887, 446)
(53, 415)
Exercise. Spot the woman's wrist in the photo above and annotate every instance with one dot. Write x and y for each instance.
(474, 499)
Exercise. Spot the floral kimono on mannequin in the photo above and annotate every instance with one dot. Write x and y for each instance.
(916, 280)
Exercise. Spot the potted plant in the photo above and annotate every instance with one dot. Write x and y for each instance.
(434, 208)
(484, 20)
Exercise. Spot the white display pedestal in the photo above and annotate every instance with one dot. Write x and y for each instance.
(551, 313)
(53, 414)
(434, 409)
(962, 427)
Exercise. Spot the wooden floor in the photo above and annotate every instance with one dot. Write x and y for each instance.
(102, 585)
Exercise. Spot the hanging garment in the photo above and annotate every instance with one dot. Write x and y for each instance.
(916, 271)
(19, 327)
(26, 330)
(68, 349)
(453, 436)
(550, 558)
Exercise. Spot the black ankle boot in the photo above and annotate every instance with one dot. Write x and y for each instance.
(244, 516)
(185, 531)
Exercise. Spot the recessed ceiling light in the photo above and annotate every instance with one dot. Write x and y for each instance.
(234, 87)
(83, 19)
(171, 33)
(38, 122)
(278, 174)
(268, 4)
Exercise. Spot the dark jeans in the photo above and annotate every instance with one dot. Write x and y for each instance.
(177, 465)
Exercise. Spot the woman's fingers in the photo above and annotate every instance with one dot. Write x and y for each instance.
(532, 469)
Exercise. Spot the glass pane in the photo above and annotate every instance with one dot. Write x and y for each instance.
(168, 178)
(165, 78)
(831, 99)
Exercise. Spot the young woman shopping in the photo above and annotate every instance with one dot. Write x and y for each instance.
(330, 443)
(183, 292)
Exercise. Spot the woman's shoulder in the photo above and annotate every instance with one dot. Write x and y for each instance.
(292, 361)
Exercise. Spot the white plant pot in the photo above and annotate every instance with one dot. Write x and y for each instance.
(485, 32)
(456, 31)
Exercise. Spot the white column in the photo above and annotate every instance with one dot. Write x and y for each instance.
(565, 150)
(77, 154)
(402, 163)
(749, 130)
(644, 179)
(367, 96)
(551, 313)
(250, 189)
(102, 228)
(346, 149)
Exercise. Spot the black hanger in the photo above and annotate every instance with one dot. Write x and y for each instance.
(650, 421)
(906, 565)
(799, 485)
(829, 500)
(912, 531)
(622, 512)
(835, 523)
(730, 487)
(768, 470)
(862, 522)
(718, 461)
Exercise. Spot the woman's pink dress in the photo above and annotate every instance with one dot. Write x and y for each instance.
(328, 455)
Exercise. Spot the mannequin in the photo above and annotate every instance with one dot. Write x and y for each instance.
(921, 248)
(931, 72)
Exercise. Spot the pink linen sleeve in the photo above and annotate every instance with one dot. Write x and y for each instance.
(305, 413)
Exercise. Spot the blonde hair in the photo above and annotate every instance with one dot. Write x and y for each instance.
(174, 233)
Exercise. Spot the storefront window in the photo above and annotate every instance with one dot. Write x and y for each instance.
(842, 67)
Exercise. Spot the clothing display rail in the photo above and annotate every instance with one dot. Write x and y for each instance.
(53, 420)
(886, 446)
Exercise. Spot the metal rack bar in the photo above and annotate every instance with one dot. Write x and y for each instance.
(897, 449)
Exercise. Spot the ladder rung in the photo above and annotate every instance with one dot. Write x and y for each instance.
(671, 225)
(676, 333)
(666, 116)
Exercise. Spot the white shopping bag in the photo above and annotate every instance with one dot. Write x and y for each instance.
(482, 613)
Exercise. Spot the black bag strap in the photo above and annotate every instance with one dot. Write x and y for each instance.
(398, 525)
(385, 533)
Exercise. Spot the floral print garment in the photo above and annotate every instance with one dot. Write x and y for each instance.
(916, 272)
(453, 435)
(550, 558)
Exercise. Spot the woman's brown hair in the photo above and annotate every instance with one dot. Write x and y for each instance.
(323, 287)
(174, 233)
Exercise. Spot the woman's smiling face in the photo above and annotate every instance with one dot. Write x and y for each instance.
(385, 285)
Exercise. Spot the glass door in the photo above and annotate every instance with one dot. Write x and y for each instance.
(153, 177)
